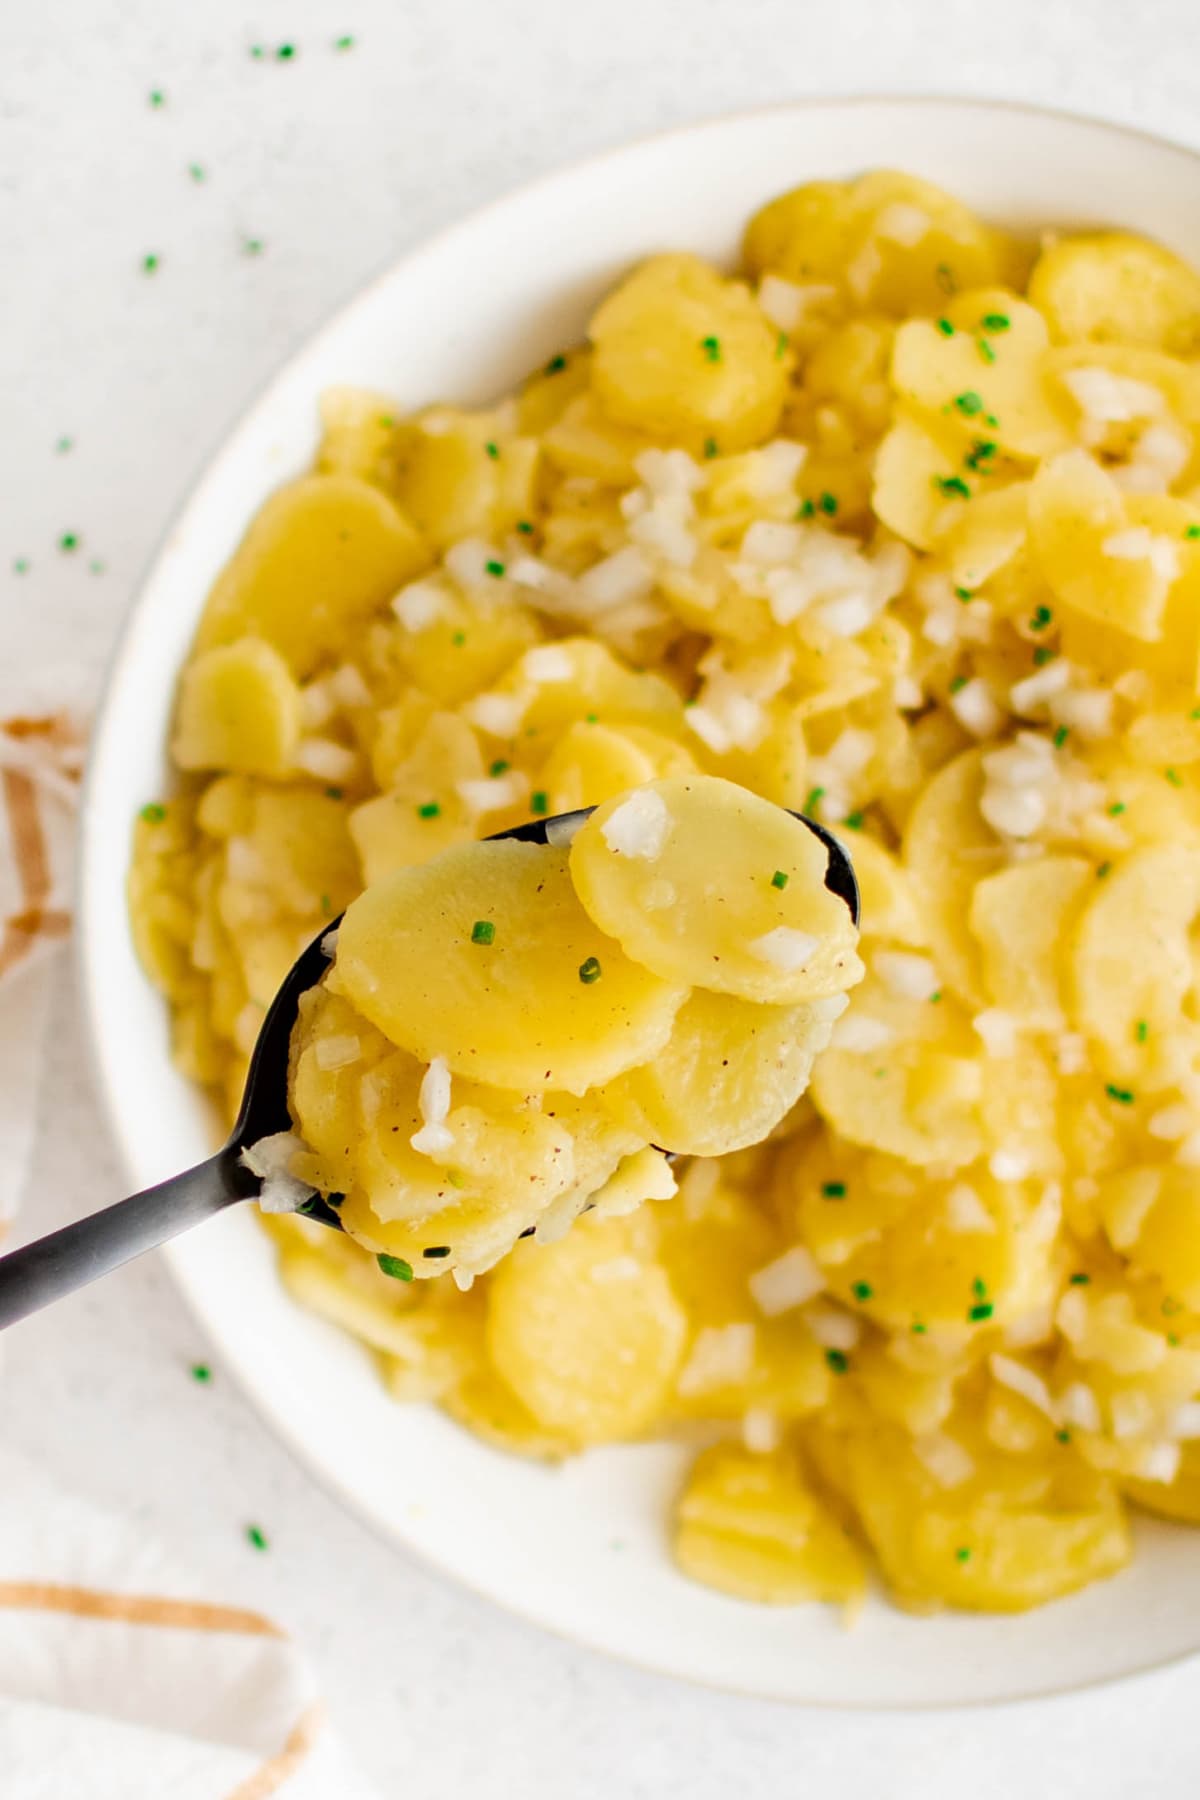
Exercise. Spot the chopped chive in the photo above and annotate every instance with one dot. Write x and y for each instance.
(201, 1372)
(813, 799)
(149, 263)
(838, 1361)
(1104, 869)
(828, 504)
(157, 97)
(459, 639)
(1143, 1030)
(1040, 618)
(918, 1329)
(985, 350)
(285, 52)
(711, 347)
(779, 879)
(979, 1287)
(334, 793)
(347, 43)
(499, 767)
(980, 1312)
(395, 1266)
(494, 567)
(959, 682)
(806, 509)
(63, 444)
(945, 327)
(1116, 809)
(980, 452)
(994, 322)
(256, 1536)
(944, 276)
(257, 52)
(1061, 736)
(20, 565)
(1195, 713)
(68, 541)
(1063, 1435)
(834, 1190)
(710, 448)
(154, 812)
(252, 246)
(781, 344)
(952, 484)
(1174, 777)
(590, 971)
(969, 402)
(964, 594)
(326, 905)
(555, 366)
(1193, 531)
(493, 449)
(935, 997)
(483, 932)
(429, 809)
(853, 821)
(1123, 1096)
(592, 718)
(539, 803)
(437, 1250)
(963, 1553)
(1079, 1279)
(1042, 655)
(862, 1290)
(525, 527)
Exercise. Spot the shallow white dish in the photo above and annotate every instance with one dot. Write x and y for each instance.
(582, 1549)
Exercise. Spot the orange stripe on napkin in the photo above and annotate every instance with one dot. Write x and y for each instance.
(133, 1609)
(270, 1776)
(28, 839)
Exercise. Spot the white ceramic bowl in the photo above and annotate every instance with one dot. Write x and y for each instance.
(581, 1549)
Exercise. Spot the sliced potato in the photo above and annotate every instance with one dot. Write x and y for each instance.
(239, 709)
(443, 958)
(320, 556)
(1115, 287)
(1019, 916)
(706, 884)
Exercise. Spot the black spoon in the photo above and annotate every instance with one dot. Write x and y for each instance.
(54, 1266)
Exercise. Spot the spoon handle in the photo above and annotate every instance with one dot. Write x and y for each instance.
(54, 1266)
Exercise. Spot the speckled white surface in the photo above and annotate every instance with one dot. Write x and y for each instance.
(336, 160)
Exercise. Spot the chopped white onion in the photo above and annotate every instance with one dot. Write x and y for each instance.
(909, 976)
(1024, 1381)
(639, 827)
(337, 1051)
(785, 1283)
(721, 1355)
(784, 947)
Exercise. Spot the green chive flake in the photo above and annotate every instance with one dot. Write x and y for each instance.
(834, 1190)
(985, 350)
(428, 810)
(964, 594)
(150, 263)
(525, 527)
(1040, 618)
(995, 322)
(347, 43)
(483, 932)
(969, 402)
(945, 327)
(154, 812)
(1123, 1096)
(590, 971)
(838, 1361)
(1143, 1030)
(952, 484)
(962, 1554)
(1174, 777)
(494, 567)
(1193, 531)
(979, 1313)
(711, 347)
(493, 449)
(555, 366)
(779, 879)
(1042, 655)
(539, 803)
(256, 1536)
(1104, 869)
(710, 448)
(1061, 736)
(201, 1372)
(1079, 1279)
(828, 504)
(813, 799)
(157, 97)
(862, 1290)
(499, 767)
(68, 541)
(395, 1266)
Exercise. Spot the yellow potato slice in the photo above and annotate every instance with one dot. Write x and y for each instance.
(511, 1007)
(1149, 899)
(889, 907)
(804, 235)
(358, 435)
(591, 763)
(1179, 1499)
(685, 354)
(1092, 555)
(1015, 1532)
(727, 1075)
(985, 376)
(919, 480)
(320, 556)
(1115, 287)
(945, 843)
(1019, 916)
(1152, 1216)
(239, 709)
(587, 1332)
(684, 874)
(461, 474)
(752, 1526)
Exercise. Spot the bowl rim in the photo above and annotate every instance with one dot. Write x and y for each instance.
(85, 950)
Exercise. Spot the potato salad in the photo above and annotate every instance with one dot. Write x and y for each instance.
(896, 525)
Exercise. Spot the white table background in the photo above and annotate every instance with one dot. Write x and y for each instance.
(337, 161)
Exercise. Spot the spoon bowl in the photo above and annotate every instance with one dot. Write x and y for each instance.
(54, 1266)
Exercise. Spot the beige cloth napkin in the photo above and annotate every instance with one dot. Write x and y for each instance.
(118, 1679)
